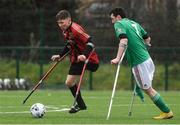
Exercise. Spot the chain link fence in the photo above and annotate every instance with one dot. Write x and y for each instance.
(24, 59)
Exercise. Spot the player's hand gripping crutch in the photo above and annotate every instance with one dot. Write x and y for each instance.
(115, 82)
(81, 77)
(45, 76)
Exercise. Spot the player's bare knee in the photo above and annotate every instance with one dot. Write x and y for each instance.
(70, 82)
(150, 91)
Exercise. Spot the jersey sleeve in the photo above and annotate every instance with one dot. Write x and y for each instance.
(119, 29)
(65, 49)
(143, 32)
(80, 33)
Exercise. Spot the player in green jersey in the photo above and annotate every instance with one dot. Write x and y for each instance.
(133, 39)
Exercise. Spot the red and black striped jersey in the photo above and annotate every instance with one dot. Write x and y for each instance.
(78, 39)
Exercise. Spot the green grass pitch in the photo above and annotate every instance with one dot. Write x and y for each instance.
(12, 111)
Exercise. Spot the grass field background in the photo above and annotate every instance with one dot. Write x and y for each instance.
(101, 78)
(12, 111)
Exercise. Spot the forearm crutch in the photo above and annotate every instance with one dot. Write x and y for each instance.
(132, 101)
(81, 77)
(45, 76)
(115, 82)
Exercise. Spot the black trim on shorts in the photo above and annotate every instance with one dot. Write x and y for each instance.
(76, 68)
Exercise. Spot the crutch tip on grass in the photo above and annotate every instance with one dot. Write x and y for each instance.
(132, 101)
(24, 102)
(130, 114)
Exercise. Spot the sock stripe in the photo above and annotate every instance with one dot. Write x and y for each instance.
(156, 97)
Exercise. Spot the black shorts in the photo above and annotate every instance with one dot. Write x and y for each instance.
(76, 68)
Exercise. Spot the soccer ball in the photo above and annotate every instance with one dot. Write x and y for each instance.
(38, 110)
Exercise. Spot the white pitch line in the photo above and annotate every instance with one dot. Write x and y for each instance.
(20, 112)
(59, 110)
(54, 107)
(125, 105)
(26, 112)
(18, 106)
(8, 107)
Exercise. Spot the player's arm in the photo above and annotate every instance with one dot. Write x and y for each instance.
(122, 46)
(89, 47)
(147, 40)
(146, 37)
(121, 49)
(66, 49)
(86, 39)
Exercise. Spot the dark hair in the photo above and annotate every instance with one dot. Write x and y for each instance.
(118, 11)
(63, 14)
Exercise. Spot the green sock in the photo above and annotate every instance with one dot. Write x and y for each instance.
(139, 93)
(158, 101)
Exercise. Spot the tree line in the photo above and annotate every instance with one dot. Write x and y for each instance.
(32, 22)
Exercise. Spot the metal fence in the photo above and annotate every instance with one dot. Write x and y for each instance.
(41, 56)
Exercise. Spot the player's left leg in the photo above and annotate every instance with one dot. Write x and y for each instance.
(143, 74)
(160, 103)
(73, 77)
(74, 73)
(139, 92)
(70, 82)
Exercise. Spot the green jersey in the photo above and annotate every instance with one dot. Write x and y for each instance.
(136, 52)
